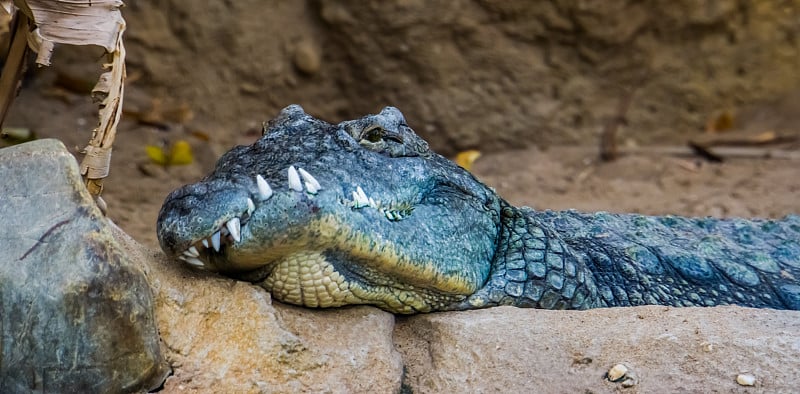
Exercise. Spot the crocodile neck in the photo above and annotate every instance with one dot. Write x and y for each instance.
(534, 268)
(572, 260)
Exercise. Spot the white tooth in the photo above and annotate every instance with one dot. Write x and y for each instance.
(310, 180)
(363, 200)
(373, 203)
(233, 227)
(311, 188)
(205, 242)
(195, 262)
(357, 202)
(192, 251)
(215, 241)
(294, 180)
(361, 195)
(250, 206)
(264, 191)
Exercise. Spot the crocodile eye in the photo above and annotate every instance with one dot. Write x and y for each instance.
(373, 134)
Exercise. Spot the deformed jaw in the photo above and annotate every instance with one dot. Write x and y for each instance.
(194, 224)
(199, 223)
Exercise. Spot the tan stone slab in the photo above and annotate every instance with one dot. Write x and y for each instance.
(225, 336)
(667, 349)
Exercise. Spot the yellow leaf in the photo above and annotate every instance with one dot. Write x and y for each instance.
(467, 157)
(156, 154)
(722, 122)
(181, 153)
(16, 135)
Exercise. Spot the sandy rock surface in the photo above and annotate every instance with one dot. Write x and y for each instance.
(225, 336)
(664, 349)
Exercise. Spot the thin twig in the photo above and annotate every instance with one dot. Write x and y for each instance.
(14, 67)
(726, 151)
(608, 139)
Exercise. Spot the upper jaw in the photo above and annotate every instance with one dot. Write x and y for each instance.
(199, 222)
(233, 224)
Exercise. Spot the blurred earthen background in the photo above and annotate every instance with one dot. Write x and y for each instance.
(532, 85)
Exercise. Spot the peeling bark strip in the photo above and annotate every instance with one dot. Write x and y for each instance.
(45, 235)
(86, 22)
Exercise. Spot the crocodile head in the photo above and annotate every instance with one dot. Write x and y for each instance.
(361, 212)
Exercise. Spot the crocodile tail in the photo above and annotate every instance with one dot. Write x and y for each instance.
(679, 261)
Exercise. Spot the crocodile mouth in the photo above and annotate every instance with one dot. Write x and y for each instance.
(209, 252)
(212, 248)
(204, 252)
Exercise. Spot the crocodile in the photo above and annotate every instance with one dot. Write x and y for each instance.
(364, 212)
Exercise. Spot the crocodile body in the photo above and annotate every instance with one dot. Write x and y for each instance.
(363, 212)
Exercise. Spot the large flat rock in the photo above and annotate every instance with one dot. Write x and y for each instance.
(507, 349)
(75, 314)
(226, 336)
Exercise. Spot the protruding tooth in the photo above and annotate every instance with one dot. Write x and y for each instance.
(251, 206)
(192, 251)
(311, 188)
(357, 201)
(294, 180)
(361, 195)
(205, 243)
(360, 199)
(365, 201)
(311, 183)
(264, 191)
(215, 241)
(373, 203)
(234, 227)
(195, 262)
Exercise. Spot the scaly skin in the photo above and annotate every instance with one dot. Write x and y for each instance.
(363, 212)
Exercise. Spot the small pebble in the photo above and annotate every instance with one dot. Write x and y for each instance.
(307, 58)
(617, 372)
(746, 379)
